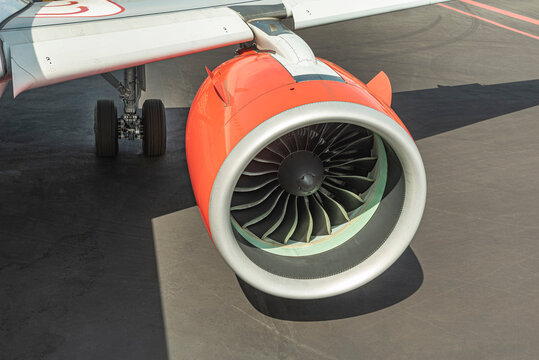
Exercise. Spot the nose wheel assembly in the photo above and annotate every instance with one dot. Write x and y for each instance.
(150, 127)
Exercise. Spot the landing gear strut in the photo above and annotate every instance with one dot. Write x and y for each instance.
(151, 127)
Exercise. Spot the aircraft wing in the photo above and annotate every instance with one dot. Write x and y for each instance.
(44, 43)
(308, 13)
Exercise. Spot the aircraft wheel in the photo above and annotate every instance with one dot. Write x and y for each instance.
(106, 128)
(154, 142)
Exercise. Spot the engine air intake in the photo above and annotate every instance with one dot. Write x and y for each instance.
(308, 185)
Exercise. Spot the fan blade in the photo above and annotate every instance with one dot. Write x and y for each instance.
(321, 222)
(268, 156)
(286, 144)
(269, 223)
(347, 199)
(334, 136)
(335, 211)
(278, 148)
(354, 134)
(296, 141)
(256, 168)
(360, 183)
(247, 217)
(359, 144)
(322, 130)
(366, 163)
(251, 183)
(245, 200)
(288, 225)
(304, 229)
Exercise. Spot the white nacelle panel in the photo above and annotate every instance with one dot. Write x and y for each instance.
(309, 13)
(61, 53)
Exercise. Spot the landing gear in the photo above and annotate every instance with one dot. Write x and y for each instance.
(151, 127)
(106, 128)
(154, 142)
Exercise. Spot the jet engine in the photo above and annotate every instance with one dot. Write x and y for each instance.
(307, 181)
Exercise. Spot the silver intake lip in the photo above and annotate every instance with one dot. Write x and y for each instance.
(373, 262)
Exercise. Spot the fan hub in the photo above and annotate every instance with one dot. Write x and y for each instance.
(301, 173)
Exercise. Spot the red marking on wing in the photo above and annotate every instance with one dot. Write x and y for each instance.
(81, 10)
(60, 5)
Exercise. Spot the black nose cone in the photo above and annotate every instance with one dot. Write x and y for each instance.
(301, 173)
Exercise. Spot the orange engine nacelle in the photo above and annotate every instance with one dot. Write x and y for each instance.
(309, 187)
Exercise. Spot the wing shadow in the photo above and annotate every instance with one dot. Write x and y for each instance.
(434, 111)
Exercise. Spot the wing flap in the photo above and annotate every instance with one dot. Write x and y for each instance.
(308, 13)
(58, 54)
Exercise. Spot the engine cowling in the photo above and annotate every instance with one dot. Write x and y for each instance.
(308, 187)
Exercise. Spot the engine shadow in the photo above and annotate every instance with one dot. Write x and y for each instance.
(396, 284)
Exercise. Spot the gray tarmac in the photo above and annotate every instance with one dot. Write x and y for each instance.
(108, 259)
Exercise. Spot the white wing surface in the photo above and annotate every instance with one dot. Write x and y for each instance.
(56, 48)
(50, 42)
(308, 13)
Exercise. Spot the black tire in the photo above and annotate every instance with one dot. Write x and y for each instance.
(154, 142)
(106, 128)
